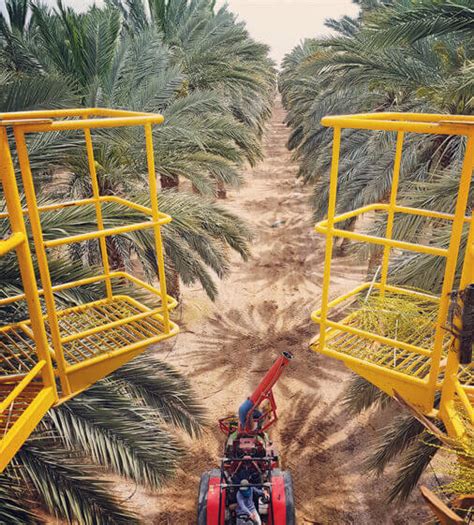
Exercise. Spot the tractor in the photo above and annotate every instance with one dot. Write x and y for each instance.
(249, 454)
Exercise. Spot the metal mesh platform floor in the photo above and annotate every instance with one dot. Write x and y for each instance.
(17, 351)
(405, 319)
(102, 327)
(99, 329)
(16, 409)
(466, 375)
(379, 354)
(108, 326)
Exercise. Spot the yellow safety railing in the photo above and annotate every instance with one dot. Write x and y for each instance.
(27, 384)
(82, 344)
(457, 396)
(422, 365)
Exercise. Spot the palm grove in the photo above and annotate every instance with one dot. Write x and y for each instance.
(198, 66)
(396, 56)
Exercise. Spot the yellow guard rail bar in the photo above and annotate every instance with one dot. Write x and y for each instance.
(416, 369)
(82, 344)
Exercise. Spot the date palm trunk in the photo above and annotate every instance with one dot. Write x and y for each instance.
(221, 190)
(169, 183)
(173, 283)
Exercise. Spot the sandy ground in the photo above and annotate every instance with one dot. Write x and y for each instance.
(225, 347)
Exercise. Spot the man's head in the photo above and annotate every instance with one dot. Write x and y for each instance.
(256, 419)
(245, 487)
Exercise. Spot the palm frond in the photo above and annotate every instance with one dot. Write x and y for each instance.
(412, 465)
(160, 387)
(68, 488)
(106, 426)
(360, 395)
(401, 433)
(15, 506)
(412, 22)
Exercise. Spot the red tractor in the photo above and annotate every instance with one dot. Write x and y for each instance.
(250, 458)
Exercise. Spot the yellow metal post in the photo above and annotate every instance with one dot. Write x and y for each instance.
(451, 262)
(155, 209)
(451, 382)
(35, 221)
(98, 210)
(391, 210)
(329, 238)
(13, 202)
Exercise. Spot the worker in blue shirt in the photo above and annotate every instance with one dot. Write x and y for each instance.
(245, 501)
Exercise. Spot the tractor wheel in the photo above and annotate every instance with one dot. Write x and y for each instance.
(290, 499)
(202, 499)
(202, 495)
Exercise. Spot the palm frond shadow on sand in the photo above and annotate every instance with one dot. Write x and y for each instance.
(295, 260)
(322, 455)
(283, 263)
(253, 338)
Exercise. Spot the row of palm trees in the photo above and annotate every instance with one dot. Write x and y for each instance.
(198, 66)
(395, 56)
(213, 84)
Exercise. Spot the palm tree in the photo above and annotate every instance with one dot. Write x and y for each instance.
(137, 71)
(200, 140)
(213, 50)
(351, 79)
(215, 54)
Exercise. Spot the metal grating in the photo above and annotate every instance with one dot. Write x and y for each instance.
(403, 318)
(466, 375)
(115, 328)
(18, 406)
(17, 351)
(107, 339)
(17, 358)
(379, 354)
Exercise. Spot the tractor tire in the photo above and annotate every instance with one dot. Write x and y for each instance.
(202, 499)
(290, 499)
(202, 495)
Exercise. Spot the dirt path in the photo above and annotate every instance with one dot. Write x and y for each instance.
(263, 308)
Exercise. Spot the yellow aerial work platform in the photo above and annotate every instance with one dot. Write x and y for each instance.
(425, 361)
(55, 353)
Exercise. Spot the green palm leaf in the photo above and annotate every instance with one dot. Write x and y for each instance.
(107, 427)
(68, 488)
(160, 387)
(15, 507)
(415, 21)
(361, 395)
(412, 465)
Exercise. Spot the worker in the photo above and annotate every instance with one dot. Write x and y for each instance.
(245, 501)
(248, 471)
(257, 420)
(233, 434)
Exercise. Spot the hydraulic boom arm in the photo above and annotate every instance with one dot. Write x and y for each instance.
(261, 393)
